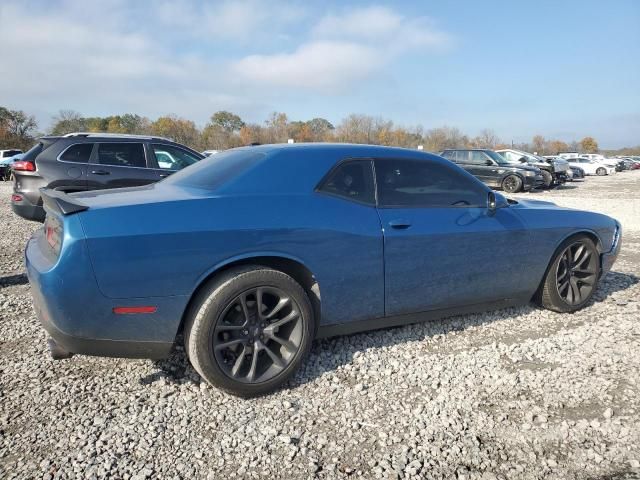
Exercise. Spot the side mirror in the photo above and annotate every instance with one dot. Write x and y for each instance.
(489, 162)
(491, 203)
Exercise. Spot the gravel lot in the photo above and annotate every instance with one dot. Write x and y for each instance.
(518, 393)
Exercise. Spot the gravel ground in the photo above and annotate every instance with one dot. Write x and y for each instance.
(518, 393)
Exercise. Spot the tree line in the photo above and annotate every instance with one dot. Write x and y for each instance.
(227, 130)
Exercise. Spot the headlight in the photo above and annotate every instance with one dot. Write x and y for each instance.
(529, 174)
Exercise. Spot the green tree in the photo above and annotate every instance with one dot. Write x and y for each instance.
(589, 145)
(16, 129)
(229, 122)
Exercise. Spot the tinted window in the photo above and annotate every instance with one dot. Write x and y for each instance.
(422, 183)
(173, 158)
(352, 180)
(121, 154)
(477, 158)
(212, 172)
(77, 153)
(10, 153)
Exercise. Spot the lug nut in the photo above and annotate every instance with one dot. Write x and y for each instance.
(245, 332)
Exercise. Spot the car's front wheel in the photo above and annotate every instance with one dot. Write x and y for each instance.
(512, 184)
(547, 178)
(601, 171)
(249, 329)
(572, 276)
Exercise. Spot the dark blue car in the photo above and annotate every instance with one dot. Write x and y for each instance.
(254, 252)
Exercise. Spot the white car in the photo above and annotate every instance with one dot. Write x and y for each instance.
(611, 162)
(591, 167)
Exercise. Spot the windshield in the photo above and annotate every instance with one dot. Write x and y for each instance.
(212, 172)
(499, 159)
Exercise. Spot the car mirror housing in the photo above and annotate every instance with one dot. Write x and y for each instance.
(491, 203)
(489, 162)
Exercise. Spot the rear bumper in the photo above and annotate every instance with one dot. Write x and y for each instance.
(80, 319)
(27, 210)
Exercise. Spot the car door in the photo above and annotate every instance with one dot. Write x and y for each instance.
(167, 159)
(119, 164)
(73, 161)
(442, 246)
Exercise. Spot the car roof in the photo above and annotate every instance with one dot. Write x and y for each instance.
(114, 135)
(355, 148)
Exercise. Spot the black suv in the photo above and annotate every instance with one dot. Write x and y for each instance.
(89, 161)
(494, 170)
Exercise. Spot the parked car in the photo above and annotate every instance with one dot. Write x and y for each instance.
(574, 172)
(89, 161)
(591, 167)
(7, 157)
(227, 253)
(554, 172)
(494, 170)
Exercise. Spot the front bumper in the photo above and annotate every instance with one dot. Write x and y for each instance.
(607, 259)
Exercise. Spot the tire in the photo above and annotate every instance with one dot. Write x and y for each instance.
(547, 178)
(601, 171)
(512, 184)
(572, 276)
(244, 350)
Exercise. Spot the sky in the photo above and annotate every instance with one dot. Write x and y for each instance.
(562, 69)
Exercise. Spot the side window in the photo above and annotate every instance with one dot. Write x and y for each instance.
(172, 158)
(449, 155)
(462, 157)
(352, 180)
(121, 154)
(77, 153)
(420, 183)
(478, 158)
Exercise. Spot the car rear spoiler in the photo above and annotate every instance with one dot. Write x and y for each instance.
(61, 202)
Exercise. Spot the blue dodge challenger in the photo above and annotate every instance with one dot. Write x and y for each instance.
(254, 252)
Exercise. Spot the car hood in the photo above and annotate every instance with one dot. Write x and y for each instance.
(521, 166)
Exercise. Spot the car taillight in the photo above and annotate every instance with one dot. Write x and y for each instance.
(53, 232)
(24, 166)
(16, 198)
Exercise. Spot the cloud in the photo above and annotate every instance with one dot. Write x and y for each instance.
(318, 65)
(343, 49)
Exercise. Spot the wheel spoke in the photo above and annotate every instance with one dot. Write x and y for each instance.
(230, 343)
(575, 290)
(282, 302)
(251, 376)
(288, 345)
(277, 361)
(226, 327)
(278, 323)
(562, 287)
(239, 361)
(245, 307)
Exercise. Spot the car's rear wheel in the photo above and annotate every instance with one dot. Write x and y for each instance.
(547, 178)
(572, 277)
(601, 171)
(249, 330)
(512, 184)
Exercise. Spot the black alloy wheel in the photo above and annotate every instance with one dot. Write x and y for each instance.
(257, 335)
(249, 329)
(572, 276)
(576, 274)
(512, 184)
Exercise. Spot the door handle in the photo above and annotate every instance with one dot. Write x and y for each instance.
(400, 224)
(100, 172)
(163, 175)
